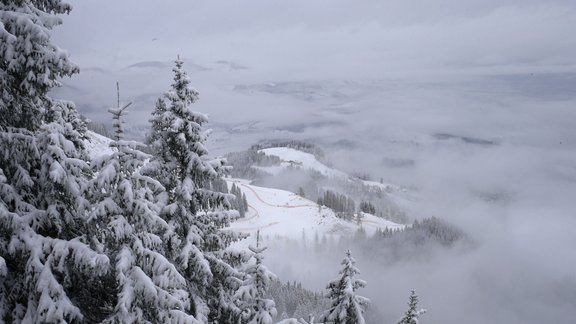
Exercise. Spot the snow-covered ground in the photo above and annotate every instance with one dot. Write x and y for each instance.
(97, 145)
(299, 159)
(279, 213)
(294, 158)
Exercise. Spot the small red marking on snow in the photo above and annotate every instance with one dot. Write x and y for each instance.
(245, 219)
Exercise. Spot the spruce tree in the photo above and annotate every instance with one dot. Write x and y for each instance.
(347, 307)
(29, 63)
(239, 202)
(128, 228)
(43, 225)
(250, 296)
(42, 171)
(194, 213)
(244, 203)
(412, 314)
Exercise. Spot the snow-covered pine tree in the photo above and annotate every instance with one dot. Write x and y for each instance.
(413, 313)
(64, 169)
(347, 307)
(244, 203)
(234, 203)
(128, 228)
(220, 185)
(42, 170)
(256, 309)
(30, 64)
(239, 202)
(159, 125)
(195, 214)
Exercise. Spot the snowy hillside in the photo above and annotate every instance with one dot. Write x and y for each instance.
(97, 145)
(279, 213)
(295, 158)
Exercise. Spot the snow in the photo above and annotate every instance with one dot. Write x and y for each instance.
(296, 158)
(290, 157)
(3, 268)
(279, 213)
(97, 145)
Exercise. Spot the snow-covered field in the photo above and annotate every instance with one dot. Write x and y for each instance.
(299, 159)
(97, 145)
(282, 214)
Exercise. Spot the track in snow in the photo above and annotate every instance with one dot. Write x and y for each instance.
(256, 228)
(363, 221)
(245, 219)
(273, 205)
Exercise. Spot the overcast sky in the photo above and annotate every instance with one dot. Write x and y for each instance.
(332, 36)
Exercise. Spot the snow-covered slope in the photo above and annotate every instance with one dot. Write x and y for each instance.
(97, 145)
(279, 213)
(296, 158)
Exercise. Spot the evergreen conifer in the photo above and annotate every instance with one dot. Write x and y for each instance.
(194, 213)
(412, 314)
(347, 307)
(126, 226)
(43, 169)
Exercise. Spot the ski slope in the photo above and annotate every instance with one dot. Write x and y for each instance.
(279, 213)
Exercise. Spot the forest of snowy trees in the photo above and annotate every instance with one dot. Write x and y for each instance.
(134, 236)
